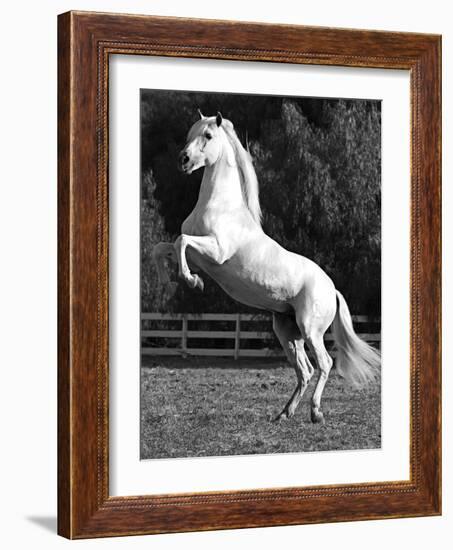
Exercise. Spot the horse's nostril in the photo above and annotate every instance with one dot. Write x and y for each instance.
(185, 158)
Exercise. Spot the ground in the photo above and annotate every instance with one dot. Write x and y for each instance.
(216, 406)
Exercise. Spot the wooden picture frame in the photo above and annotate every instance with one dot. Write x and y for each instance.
(85, 42)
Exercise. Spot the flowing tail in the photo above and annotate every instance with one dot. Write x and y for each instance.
(356, 361)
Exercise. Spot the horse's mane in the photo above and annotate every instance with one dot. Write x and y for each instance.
(249, 181)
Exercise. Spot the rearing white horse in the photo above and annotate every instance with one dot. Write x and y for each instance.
(223, 237)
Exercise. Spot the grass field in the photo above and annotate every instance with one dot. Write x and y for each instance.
(210, 407)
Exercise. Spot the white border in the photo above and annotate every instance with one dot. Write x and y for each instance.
(129, 475)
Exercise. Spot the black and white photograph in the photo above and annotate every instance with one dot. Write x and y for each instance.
(225, 275)
(260, 274)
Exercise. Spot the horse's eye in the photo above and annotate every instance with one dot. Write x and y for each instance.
(208, 135)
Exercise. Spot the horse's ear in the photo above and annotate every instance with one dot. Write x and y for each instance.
(219, 119)
(201, 114)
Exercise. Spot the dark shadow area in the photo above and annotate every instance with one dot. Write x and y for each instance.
(49, 523)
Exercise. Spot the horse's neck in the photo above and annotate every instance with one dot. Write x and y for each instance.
(221, 187)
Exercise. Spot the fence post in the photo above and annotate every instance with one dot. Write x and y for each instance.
(237, 337)
(184, 335)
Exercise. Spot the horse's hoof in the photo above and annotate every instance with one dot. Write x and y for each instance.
(280, 417)
(317, 417)
(191, 282)
(199, 282)
(194, 281)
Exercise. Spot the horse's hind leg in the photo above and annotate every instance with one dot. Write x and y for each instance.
(324, 362)
(289, 335)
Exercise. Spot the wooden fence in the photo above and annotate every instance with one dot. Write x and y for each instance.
(185, 333)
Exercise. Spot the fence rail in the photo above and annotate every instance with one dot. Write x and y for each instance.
(184, 334)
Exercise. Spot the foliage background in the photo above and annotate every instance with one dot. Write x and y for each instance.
(318, 163)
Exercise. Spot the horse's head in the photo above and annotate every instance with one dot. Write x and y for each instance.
(205, 142)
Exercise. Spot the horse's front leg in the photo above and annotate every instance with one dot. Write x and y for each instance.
(208, 247)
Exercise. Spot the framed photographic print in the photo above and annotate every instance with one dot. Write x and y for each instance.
(249, 275)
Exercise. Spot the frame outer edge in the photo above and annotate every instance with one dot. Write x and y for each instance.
(86, 304)
(438, 175)
(82, 512)
(427, 275)
(432, 148)
(64, 526)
